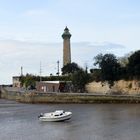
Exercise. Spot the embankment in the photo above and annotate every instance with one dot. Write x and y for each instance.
(36, 97)
(120, 87)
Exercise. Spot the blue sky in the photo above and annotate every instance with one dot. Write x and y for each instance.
(30, 32)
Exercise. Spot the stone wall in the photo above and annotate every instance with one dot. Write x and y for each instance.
(120, 87)
(37, 97)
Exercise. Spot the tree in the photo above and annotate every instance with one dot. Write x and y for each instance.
(98, 59)
(96, 74)
(29, 81)
(133, 66)
(70, 68)
(79, 79)
(110, 68)
(124, 60)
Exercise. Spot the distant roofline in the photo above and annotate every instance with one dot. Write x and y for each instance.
(16, 76)
(54, 82)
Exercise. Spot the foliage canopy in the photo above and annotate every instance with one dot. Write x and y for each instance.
(133, 66)
(70, 68)
(110, 68)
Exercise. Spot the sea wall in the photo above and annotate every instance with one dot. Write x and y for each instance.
(36, 97)
(120, 87)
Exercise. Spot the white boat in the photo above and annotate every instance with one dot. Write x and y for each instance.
(58, 115)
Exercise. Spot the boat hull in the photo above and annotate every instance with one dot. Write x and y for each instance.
(56, 119)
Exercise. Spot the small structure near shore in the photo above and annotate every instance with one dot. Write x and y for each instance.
(54, 86)
(17, 81)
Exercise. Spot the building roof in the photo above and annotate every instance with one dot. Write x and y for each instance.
(54, 82)
(16, 76)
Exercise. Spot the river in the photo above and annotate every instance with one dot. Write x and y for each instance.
(89, 122)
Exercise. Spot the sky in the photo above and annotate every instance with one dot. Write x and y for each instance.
(30, 33)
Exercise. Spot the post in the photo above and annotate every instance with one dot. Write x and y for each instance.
(58, 67)
(40, 72)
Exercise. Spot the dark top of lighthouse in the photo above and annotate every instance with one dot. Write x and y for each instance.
(66, 33)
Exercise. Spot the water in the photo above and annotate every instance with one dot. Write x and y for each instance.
(89, 122)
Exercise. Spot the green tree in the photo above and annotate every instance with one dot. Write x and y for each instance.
(124, 60)
(96, 74)
(98, 60)
(133, 66)
(79, 79)
(70, 68)
(110, 68)
(29, 80)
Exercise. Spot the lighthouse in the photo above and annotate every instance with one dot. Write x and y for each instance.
(66, 47)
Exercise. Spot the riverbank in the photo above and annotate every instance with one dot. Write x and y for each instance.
(79, 98)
